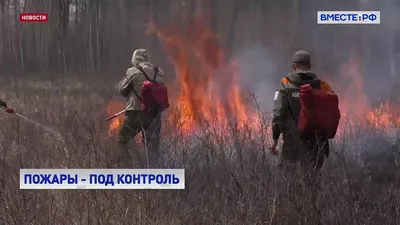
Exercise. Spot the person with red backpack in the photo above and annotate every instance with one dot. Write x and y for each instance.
(143, 87)
(306, 112)
(3, 104)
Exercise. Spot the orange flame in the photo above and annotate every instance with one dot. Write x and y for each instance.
(116, 123)
(207, 81)
(113, 108)
(209, 90)
(385, 115)
(354, 102)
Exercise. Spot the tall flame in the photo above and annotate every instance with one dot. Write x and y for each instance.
(208, 88)
(354, 102)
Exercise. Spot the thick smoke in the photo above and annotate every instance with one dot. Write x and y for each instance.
(258, 73)
(377, 48)
(380, 49)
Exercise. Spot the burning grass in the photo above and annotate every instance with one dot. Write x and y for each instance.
(208, 86)
(231, 179)
(208, 92)
(113, 108)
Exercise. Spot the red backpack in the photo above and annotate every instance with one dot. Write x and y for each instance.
(154, 95)
(319, 111)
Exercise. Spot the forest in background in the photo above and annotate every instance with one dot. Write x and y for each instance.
(100, 35)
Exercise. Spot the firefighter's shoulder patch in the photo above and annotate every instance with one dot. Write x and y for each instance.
(276, 95)
(285, 80)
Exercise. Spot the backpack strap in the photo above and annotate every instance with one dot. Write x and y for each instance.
(136, 94)
(133, 89)
(313, 84)
(144, 73)
(147, 77)
(155, 73)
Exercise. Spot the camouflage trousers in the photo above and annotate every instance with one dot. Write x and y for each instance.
(150, 127)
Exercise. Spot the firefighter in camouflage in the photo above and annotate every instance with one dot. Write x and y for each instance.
(135, 120)
(4, 105)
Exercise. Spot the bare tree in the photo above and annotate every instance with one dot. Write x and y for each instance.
(63, 22)
(93, 35)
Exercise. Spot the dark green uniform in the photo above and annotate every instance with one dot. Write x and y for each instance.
(309, 151)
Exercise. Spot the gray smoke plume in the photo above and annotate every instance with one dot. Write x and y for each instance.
(258, 72)
(376, 46)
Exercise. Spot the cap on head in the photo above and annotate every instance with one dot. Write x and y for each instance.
(139, 55)
(301, 57)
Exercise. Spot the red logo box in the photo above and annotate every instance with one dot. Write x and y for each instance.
(34, 17)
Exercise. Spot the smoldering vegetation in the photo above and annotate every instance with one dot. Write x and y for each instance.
(242, 187)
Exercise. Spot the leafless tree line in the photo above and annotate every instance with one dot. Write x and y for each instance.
(97, 35)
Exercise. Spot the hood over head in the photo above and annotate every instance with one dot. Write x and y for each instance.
(138, 56)
(301, 76)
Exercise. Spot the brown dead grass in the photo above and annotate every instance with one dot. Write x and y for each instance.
(229, 179)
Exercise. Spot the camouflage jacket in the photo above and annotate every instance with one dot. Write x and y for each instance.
(132, 82)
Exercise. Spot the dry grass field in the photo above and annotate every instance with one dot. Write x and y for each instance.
(230, 178)
(212, 51)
